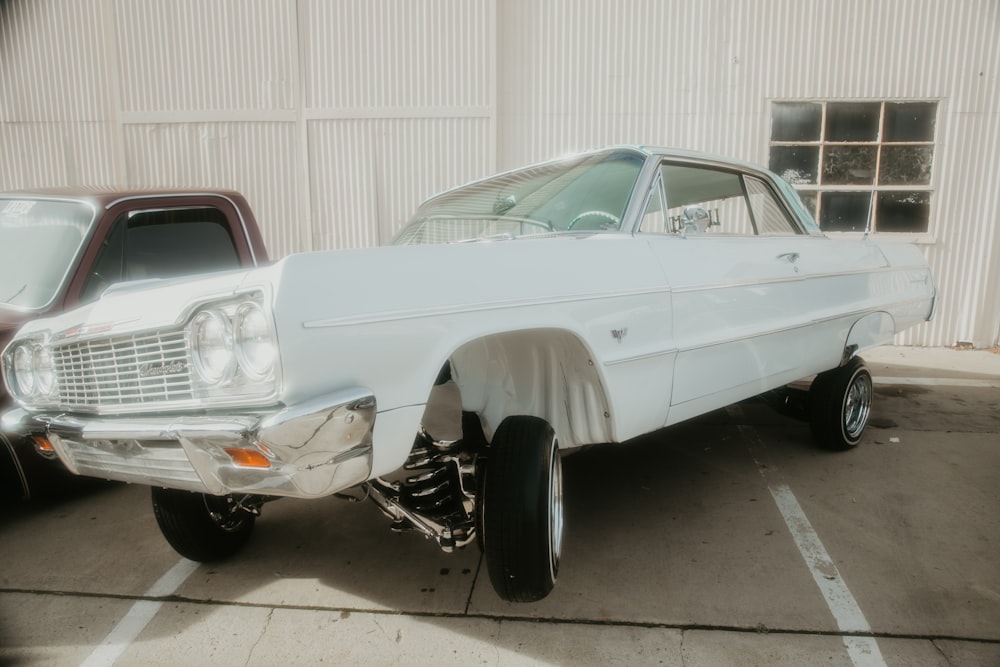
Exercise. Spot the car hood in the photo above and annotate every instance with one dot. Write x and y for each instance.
(141, 305)
(348, 285)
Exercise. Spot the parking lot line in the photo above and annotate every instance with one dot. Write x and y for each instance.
(139, 616)
(863, 650)
(938, 382)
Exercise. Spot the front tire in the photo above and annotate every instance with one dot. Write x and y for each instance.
(201, 527)
(839, 405)
(522, 513)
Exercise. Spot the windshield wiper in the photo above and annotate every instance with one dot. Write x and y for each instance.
(16, 294)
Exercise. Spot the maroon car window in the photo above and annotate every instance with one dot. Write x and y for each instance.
(163, 244)
(38, 241)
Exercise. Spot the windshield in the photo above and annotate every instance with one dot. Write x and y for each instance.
(582, 194)
(38, 241)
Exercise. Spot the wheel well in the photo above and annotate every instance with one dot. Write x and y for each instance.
(870, 331)
(547, 373)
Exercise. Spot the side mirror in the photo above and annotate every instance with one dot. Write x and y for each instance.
(695, 220)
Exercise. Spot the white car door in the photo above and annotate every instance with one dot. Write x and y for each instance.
(738, 269)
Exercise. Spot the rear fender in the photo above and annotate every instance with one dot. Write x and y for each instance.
(870, 331)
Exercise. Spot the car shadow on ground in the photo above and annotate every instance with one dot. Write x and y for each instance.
(649, 524)
(671, 530)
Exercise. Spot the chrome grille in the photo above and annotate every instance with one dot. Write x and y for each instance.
(123, 371)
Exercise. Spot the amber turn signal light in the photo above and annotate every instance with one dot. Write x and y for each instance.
(248, 458)
(43, 446)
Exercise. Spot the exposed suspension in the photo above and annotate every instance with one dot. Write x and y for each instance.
(437, 495)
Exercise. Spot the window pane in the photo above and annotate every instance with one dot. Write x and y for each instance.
(163, 244)
(795, 164)
(701, 200)
(852, 121)
(767, 212)
(903, 211)
(910, 121)
(795, 121)
(809, 199)
(905, 165)
(849, 165)
(844, 211)
(107, 268)
(653, 220)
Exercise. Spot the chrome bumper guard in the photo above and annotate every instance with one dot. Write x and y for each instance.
(310, 450)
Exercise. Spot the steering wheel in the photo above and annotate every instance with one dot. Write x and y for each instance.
(547, 226)
(599, 214)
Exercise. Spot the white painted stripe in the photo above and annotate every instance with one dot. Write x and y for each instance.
(939, 382)
(139, 616)
(863, 651)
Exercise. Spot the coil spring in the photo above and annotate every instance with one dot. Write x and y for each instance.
(434, 488)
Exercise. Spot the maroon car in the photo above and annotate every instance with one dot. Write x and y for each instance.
(63, 248)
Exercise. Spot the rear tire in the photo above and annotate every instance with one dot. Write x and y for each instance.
(840, 404)
(201, 527)
(522, 516)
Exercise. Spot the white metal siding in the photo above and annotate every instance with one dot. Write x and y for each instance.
(336, 118)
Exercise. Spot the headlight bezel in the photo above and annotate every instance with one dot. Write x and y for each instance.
(248, 371)
(29, 371)
(22, 364)
(254, 342)
(237, 374)
(217, 364)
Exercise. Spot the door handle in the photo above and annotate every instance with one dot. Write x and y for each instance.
(791, 257)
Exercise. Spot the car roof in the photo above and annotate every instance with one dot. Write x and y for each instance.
(643, 150)
(103, 197)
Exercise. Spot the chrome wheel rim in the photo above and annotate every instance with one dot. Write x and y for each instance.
(555, 511)
(857, 405)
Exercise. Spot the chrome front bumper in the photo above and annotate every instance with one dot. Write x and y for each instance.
(307, 450)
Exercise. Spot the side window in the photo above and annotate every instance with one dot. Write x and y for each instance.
(654, 220)
(107, 269)
(162, 244)
(702, 200)
(771, 218)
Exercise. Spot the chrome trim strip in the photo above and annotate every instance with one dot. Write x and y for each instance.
(642, 357)
(770, 332)
(460, 309)
(797, 278)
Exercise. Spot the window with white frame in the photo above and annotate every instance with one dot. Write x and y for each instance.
(851, 161)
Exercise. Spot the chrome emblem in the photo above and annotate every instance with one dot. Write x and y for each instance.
(159, 370)
(618, 334)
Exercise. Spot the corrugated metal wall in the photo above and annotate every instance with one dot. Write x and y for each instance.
(336, 117)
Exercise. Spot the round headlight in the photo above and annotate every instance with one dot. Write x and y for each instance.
(212, 347)
(254, 346)
(45, 375)
(24, 372)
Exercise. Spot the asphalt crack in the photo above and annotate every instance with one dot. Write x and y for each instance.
(260, 638)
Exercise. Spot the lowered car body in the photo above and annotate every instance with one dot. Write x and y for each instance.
(582, 301)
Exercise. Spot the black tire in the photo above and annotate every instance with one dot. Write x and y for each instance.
(521, 515)
(840, 404)
(201, 527)
(13, 485)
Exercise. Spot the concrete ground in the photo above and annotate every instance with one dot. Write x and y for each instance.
(728, 540)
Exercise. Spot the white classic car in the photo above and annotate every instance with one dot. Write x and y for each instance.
(580, 301)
